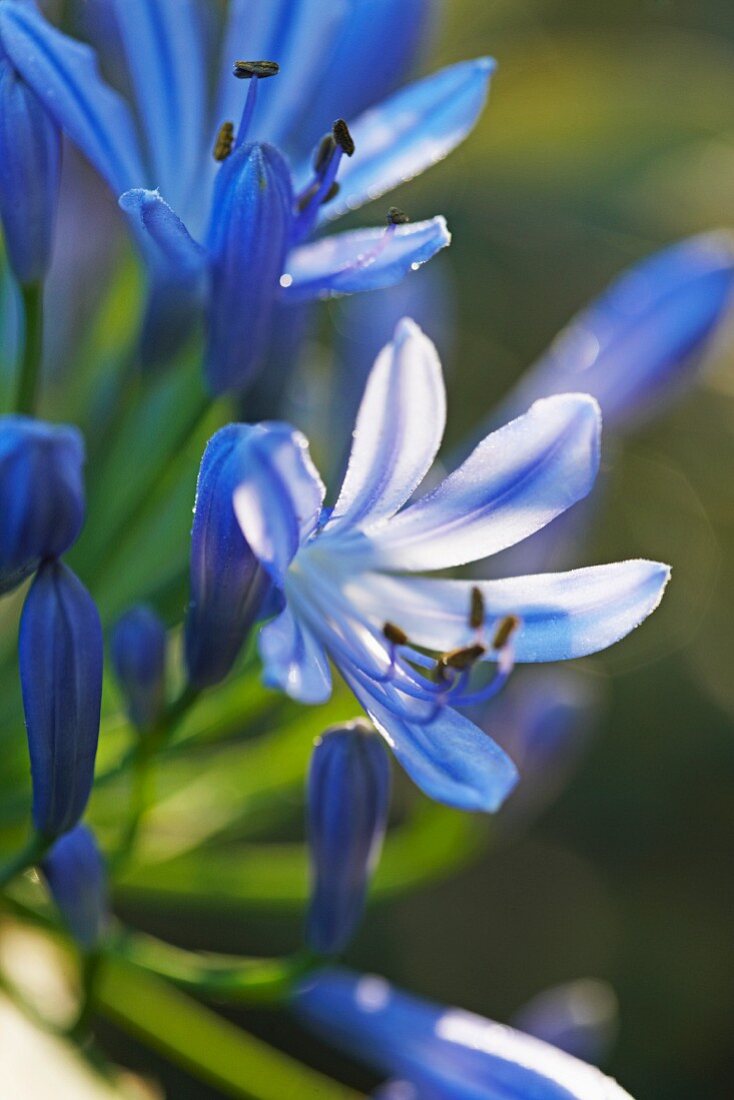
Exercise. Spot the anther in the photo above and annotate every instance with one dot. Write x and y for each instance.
(504, 631)
(225, 141)
(245, 70)
(476, 609)
(396, 216)
(342, 137)
(331, 193)
(461, 659)
(394, 634)
(324, 153)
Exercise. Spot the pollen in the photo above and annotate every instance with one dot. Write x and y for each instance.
(246, 70)
(394, 634)
(476, 609)
(343, 137)
(505, 629)
(461, 659)
(396, 216)
(225, 141)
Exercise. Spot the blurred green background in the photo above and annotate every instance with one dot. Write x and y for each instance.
(609, 132)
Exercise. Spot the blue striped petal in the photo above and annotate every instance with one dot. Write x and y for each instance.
(564, 615)
(248, 241)
(294, 661)
(444, 1051)
(164, 47)
(414, 129)
(63, 73)
(398, 432)
(514, 483)
(363, 259)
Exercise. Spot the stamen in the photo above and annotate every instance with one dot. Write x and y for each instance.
(396, 216)
(245, 70)
(476, 609)
(225, 141)
(306, 197)
(331, 193)
(324, 153)
(504, 631)
(342, 137)
(461, 659)
(394, 634)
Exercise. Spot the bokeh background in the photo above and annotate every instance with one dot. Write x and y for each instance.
(609, 132)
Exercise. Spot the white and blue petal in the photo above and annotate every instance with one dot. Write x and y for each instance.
(409, 132)
(63, 73)
(448, 757)
(163, 42)
(442, 1051)
(563, 615)
(167, 243)
(515, 482)
(643, 337)
(362, 259)
(279, 500)
(294, 661)
(398, 432)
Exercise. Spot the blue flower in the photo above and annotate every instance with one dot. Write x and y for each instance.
(30, 170)
(138, 650)
(409, 646)
(228, 586)
(41, 494)
(329, 55)
(60, 656)
(76, 876)
(442, 1052)
(348, 802)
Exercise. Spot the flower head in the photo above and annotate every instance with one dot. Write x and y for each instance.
(412, 648)
(260, 210)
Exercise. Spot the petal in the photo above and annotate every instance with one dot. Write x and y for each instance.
(449, 758)
(646, 333)
(295, 33)
(294, 660)
(279, 500)
(515, 482)
(580, 1017)
(248, 241)
(564, 615)
(453, 1052)
(163, 42)
(399, 429)
(167, 242)
(408, 133)
(364, 259)
(63, 73)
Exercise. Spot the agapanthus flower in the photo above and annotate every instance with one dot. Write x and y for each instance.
(236, 238)
(442, 1052)
(413, 648)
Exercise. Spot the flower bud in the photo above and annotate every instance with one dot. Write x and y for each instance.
(41, 494)
(138, 650)
(60, 657)
(348, 801)
(227, 583)
(30, 164)
(76, 876)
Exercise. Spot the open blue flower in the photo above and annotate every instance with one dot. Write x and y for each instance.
(238, 238)
(442, 1052)
(409, 646)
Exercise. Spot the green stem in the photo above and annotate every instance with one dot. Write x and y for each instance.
(33, 851)
(30, 367)
(232, 978)
(91, 963)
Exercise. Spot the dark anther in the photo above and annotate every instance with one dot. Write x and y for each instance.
(324, 153)
(504, 631)
(461, 659)
(394, 634)
(396, 216)
(476, 609)
(245, 70)
(332, 192)
(342, 137)
(307, 197)
(225, 141)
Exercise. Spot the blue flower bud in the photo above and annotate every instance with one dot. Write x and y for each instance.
(138, 649)
(76, 876)
(60, 657)
(41, 494)
(30, 164)
(348, 801)
(248, 241)
(227, 583)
